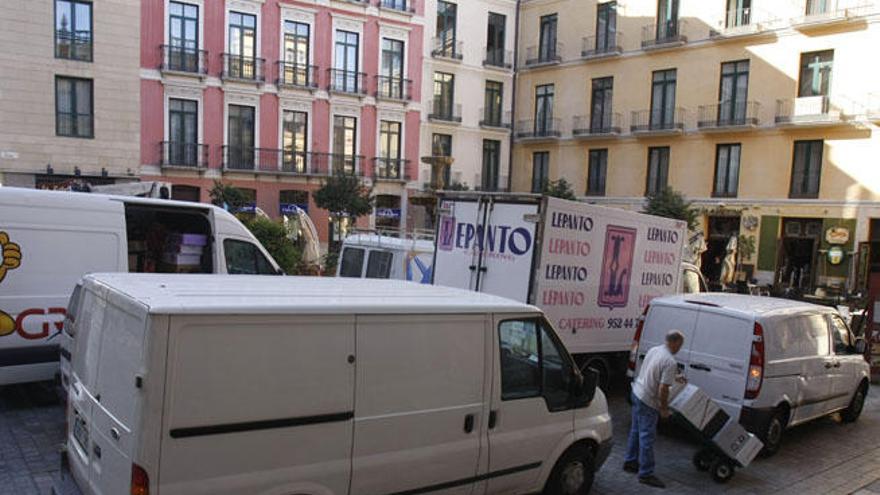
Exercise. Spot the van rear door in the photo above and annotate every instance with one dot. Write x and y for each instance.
(662, 318)
(719, 357)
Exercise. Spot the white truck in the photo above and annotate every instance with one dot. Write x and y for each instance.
(591, 269)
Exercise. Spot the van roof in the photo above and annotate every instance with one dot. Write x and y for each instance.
(759, 306)
(369, 240)
(86, 201)
(263, 294)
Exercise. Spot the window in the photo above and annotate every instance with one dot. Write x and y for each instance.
(346, 77)
(533, 364)
(600, 114)
(658, 170)
(292, 199)
(667, 19)
(727, 159)
(547, 40)
(388, 165)
(739, 13)
(606, 27)
(493, 101)
(241, 58)
(663, 99)
(818, 7)
(733, 93)
(180, 192)
(495, 40)
(540, 170)
(295, 66)
(806, 169)
(815, 76)
(814, 335)
(240, 144)
(379, 264)
(183, 132)
(841, 336)
(351, 263)
(295, 141)
(73, 30)
(344, 144)
(74, 114)
(446, 26)
(244, 258)
(491, 164)
(598, 167)
(391, 81)
(441, 145)
(183, 37)
(544, 110)
(444, 92)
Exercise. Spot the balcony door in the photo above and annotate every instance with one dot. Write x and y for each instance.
(663, 99)
(344, 144)
(491, 165)
(444, 93)
(346, 60)
(447, 13)
(495, 34)
(389, 163)
(295, 142)
(667, 19)
(544, 109)
(296, 54)
(815, 76)
(183, 37)
(600, 114)
(606, 27)
(493, 103)
(183, 132)
(739, 13)
(242, 45)
(733, 93)
(391, 83)
(241, 138)
(547, 40)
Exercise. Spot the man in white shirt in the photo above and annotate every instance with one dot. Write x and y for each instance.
(650, 400)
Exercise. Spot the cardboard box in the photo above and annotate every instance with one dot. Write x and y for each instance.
(737, 443)
(698, 409)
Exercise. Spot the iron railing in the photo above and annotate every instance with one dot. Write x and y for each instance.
(393, 88)
(391, 169)
(294, 75)
(333, 164)
(498, 57)
(544, 54)
(447, 47)
(808, 110)
(495, 117)
(182, 154)
(346, 81)
(243, 68)
(405, 6)
(444, 110)
(251, 159)
(183, 59)
(728, 114)
(657, 120)
(603, 46)
(73, 45)
(536, 129)
(607, 124)
(661, 34)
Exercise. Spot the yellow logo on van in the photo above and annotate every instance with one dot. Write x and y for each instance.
(11, 255)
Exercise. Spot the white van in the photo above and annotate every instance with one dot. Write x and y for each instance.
(208, 384)
(57, 237)
(770, 363)
(382, 255)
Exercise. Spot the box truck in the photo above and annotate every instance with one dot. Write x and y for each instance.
(591, 269)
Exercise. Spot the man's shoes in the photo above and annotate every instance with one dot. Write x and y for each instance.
(652, 481)
(631, 467)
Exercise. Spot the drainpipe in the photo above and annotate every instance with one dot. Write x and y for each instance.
(513, 97)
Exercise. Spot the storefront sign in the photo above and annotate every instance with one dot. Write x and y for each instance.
(835, 255)
(293, 209)
(837, 235)
(391, 213)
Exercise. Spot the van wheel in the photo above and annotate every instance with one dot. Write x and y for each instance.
(852, 413)
(772, 436)
(573, 473)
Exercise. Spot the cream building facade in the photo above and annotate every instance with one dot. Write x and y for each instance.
(761, 111)
(69, 92)
(467, 90)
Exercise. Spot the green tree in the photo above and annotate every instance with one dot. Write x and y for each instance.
(345, 197)
(274, 237)
(672, 204)
(560, 189)
(227, 196)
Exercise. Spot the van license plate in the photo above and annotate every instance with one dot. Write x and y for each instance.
(80, 433)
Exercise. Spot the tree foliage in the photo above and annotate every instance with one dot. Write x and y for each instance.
(560, 189)
(672, 204)
(227, 196)
(273, 236)
(344, 195)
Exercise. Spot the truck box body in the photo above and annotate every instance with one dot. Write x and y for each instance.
(591, 269)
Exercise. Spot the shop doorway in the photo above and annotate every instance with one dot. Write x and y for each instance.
(798, 254)
(720, 230)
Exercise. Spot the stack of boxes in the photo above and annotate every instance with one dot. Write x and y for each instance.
(183, 252)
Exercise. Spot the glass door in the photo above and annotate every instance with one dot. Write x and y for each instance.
(295, 141)
(296, 70)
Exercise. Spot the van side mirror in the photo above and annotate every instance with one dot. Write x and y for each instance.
(860, 346)
(584, 385)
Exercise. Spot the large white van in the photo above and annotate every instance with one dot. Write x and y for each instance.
(770, 363)
(383, 254)
(208, 384)
(49, 240)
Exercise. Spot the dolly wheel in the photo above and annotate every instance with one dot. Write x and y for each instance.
(702, 460)
(722, 470)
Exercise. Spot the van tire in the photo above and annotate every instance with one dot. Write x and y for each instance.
(852, 413)
(573, 473)
(772, 435)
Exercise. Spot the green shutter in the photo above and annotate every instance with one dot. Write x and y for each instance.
(767, 243)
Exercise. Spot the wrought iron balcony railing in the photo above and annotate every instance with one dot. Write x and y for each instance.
(810, 110)
(444, 110)
(243, 68)
(498, 57)
(292, 75)
(544, 54)
(346, 81)
(182, 154)
(664, 34)
(184, 60)
(600, 125)
(333, 164)
(251, 159)
(404, 6)
(538, 129)
(393, 88)
(447, 47)
(494, 117)
(603, 46)
(390, 169)
(728, 114)
(657, 121)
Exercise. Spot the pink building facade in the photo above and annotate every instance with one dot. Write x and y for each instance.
(272, 96)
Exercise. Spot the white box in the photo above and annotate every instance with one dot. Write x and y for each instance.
(694, 406)
(737, 443)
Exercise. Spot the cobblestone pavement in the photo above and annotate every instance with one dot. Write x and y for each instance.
(823, 457)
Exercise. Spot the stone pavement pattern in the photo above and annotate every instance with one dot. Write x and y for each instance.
(823, 457)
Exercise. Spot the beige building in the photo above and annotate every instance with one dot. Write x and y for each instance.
(69, 91)
(761, 111)
(467, 89)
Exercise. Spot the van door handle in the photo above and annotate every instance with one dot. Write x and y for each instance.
(114, 433)
(97, 450)
(700, 366)
(493, 419)
(469, 423)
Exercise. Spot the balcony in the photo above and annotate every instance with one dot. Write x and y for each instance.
(181, 60)
(823, 13)
(447, 48)
(538, 130)
(663, 35)
(738, 23)
(407, 7)
(189, 156)
(292, 75)
(657, 122)
(602, 127)
(493, 118)
(393, 88)
(250, 159)
(239, 68)
(390, 169)
(73, 45)
(442, 110)
(602, 47)
(326, 164)
(498, 58)
(727, 116)
(809, 111)
(537, 56)
(347, 82)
